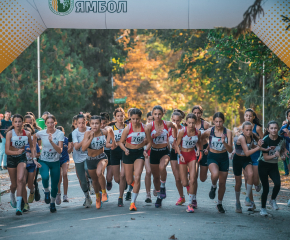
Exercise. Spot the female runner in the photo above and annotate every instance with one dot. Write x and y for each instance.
(220, 143)
(251, 116)
(160, 155)
(52, 143)
(147, 166)
(16, 139)
(133, 152)
(189, 138)
(79, 157)
(116, 154)
(105, 118)
(176, 117)
(268, 165)
(244, 148)
(94, 142)
(202, 125)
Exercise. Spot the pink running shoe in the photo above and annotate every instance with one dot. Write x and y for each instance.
(194, 203)
(180, 201)
(190, 208)
(187, 188)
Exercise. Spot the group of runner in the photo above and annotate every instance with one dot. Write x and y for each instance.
(188, 142)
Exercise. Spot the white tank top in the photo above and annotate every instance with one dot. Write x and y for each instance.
(18, 141)
(163, 138)
(98, 142)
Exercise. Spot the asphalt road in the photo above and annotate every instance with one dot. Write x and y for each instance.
(73, 221)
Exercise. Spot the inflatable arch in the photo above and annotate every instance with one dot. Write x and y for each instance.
(22, 21)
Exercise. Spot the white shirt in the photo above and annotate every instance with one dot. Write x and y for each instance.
(48, 153)
(79, 156)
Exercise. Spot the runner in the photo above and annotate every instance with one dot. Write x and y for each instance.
(220, 143)
(17, 138)
(244, 148)
(79, 157)
(176, 117)
(52, 143)
(64, 165)
(148, 167)
(94, 142)
(189, 139)
(4, 125)
(251, 116)
(160, 155)
(74, 125)
(285, 133)
(202, 125)
(134, 153)
(30, 168)
(268, 165)
(116, 154)
(105, 118)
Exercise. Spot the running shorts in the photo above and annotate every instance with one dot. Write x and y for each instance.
(173, 155)
(188, 157)
(239, 163)
(220, 159)
(133, 155)
(92, 162)
(157, 154)
(203, 161)
(116, 156)
(13, 161)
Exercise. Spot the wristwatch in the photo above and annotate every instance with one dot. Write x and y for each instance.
(35, 159)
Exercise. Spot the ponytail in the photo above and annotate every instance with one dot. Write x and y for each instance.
(256, 120)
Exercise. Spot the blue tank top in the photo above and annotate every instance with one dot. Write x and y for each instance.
(255, 155)
(64, 153)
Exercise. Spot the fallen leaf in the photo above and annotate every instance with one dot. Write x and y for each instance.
(132, 218)
(173, 237)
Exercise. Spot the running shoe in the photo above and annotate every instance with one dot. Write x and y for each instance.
(248, 202)
(288, 204)
(148, 198)
(190, 209)
(132, 207)
(162, 193)
(158, 203)
(99, 203)
(65, 198)
(47, 197)
(18, 212)
(13, 202)
(105, 197)
(109, 186)
(92, 190)
(128, 196)
(26, 207)
(212, 192)
(36, 194)
(52, 207)
(180, 201)
(31, 197)
(187, 189)
(120, 202)
(154, 192)
(273, 204)
(238, 207)
(194, 204)
(58, 199)
(84, 204)
(88, 202)
(258, 188)
(263, 212)
(220, 208)
(252, 207)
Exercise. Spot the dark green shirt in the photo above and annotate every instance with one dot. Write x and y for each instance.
(4, 126)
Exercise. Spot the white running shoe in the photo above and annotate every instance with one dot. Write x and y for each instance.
(273, 204)
(248, 201)
(288, 204)
(88, 202)
(65, 198)
(252, 207)
(263, 212)
(58, 199)
(258, 188)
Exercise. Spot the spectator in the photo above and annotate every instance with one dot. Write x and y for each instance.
(41, 121)
(4, 125)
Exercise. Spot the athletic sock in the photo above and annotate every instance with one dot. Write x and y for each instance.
(52, 200)
(98, 195)
(249, 189)
(12, 196)
(220, 201)
(193, 196)
(214, 186)
(19, 200)
(238, 197)
(162, 184)
(134, 197)
(46, 189)
(104, 191)
(158, 194)
(190, 198)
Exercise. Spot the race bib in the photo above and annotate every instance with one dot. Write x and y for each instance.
(137, 137)
(216, 144)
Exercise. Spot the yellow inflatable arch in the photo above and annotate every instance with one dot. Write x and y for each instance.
(21, 21)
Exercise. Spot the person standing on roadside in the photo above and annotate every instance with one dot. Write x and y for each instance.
(4, 125)
(41, 121)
